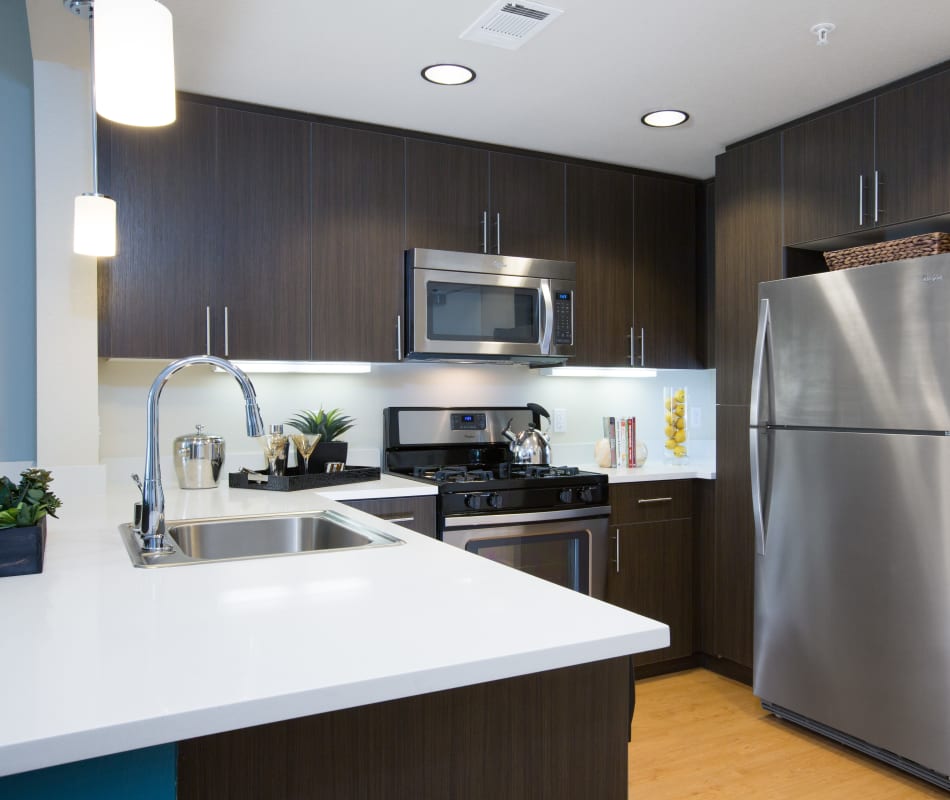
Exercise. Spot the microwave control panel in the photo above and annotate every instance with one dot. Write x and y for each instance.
(563, 317)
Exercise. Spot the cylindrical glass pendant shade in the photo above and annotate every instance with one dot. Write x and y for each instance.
(94, 225)
(134, 62)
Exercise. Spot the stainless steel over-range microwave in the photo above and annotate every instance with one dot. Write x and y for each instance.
(470, 306)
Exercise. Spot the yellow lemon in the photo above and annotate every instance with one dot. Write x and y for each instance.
(679, 451)
(680, 436)
(670, 444)
(668, 403)
(680, 395)
(670, 431)
(679, 409)
(681, 423)
(670, 419)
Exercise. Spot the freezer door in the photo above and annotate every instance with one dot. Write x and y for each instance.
(852, 607)
(861, 348)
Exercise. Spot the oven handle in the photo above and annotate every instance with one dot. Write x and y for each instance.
(528, 517)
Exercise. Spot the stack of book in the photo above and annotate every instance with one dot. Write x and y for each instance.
(621, 432)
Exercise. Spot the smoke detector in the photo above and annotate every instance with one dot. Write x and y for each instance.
(821, 30)
(510, 25)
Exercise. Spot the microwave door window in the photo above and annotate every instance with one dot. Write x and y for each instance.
(476, 313)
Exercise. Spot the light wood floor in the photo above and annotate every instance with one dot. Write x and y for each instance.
(697, 734)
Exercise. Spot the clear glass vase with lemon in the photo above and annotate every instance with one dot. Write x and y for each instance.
(674, 418)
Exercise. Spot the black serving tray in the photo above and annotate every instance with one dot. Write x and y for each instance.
(292, 480)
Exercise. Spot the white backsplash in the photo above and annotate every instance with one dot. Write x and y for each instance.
(198, 395)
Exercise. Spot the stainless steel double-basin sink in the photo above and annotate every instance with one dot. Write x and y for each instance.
(199, 541)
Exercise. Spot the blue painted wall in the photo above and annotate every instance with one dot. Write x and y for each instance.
(17, 238)
(146, 774)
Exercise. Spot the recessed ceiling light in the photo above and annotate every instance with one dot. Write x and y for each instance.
(448, 74)
(664, 118)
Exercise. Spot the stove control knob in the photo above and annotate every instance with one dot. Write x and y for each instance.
(586, 494)
(495, 500)
(566, 496)
(473, 501)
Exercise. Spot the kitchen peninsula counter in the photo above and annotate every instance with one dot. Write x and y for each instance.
(100, 657)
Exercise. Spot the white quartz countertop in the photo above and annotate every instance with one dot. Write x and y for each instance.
(100, 657)
(658, 471)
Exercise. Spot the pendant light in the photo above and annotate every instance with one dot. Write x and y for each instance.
(132, 81)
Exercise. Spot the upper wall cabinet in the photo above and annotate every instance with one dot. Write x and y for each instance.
(153, 295)
(881, 162)
(829, 174)
(213, 237)
(465, 198)
(664, 273)
(600, 240)
(358, 243)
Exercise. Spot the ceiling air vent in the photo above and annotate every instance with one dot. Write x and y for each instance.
(510, 25)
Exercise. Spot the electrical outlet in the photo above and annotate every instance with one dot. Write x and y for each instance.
(695, 417)
(560, 420)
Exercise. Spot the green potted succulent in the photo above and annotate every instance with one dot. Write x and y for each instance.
(329, 426)
(23, 510)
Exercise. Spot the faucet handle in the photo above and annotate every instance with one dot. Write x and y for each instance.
(138, 481)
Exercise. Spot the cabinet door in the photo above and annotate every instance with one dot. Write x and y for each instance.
(664, 273)
(527, 206)
(358, 230)
(600, 240)
(824, 162)
(733, 584)
(654, 577)
(913, 150)
(152, 294)
(446, 196)
(415, 513)
(262, 236)
(748, 250)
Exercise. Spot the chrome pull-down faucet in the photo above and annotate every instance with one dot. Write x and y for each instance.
(150, 516)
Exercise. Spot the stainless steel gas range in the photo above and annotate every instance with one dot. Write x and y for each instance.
(549, 521)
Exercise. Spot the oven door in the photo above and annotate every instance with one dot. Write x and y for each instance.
(566, 547)
(483, 315)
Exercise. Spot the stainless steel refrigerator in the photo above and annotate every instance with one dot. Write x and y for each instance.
(850, 455)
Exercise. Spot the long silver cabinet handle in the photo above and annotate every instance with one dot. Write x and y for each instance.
(227, 348)
(757, 515)
(398, 517)
(207, 330)
(498, 233)
(761, 338)
(617, 553)
(643, 347)
(877, 195)
(485, 231)
(398, 337)
(633, 358)
(860, 200)
(647, 500)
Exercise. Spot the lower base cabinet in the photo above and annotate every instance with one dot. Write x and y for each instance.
(651, 568)
(415, 513)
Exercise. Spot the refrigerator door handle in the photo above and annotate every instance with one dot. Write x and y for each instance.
(758, 516)
(762, 338)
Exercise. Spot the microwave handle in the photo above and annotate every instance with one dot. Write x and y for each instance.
(547, 317)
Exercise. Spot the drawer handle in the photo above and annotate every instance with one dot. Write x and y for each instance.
(648, 500)
(398, 517)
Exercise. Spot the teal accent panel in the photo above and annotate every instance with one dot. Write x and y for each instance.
(146, 774)
(17, 237)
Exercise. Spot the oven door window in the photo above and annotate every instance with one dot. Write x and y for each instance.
(469, 312)
(562, 558)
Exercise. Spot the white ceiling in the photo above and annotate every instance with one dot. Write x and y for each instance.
(578, 89)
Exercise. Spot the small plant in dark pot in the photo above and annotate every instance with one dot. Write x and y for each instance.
(329, 426)
(23, 510)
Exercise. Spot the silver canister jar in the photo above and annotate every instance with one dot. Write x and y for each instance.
(198, 459)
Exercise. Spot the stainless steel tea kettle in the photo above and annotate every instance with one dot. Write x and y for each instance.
(532, 445)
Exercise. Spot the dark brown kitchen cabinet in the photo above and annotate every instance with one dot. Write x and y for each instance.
(600, 241)
(734, 541)
(748, 233)
(358, 243)
(651, 567)
(214, 237)
(475, 200)
(153, 293)
(664, 273)
(913, 150)
(262, 235)
(415, 513)
(829, 174)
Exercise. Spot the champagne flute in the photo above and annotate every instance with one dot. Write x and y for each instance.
(306, 443)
